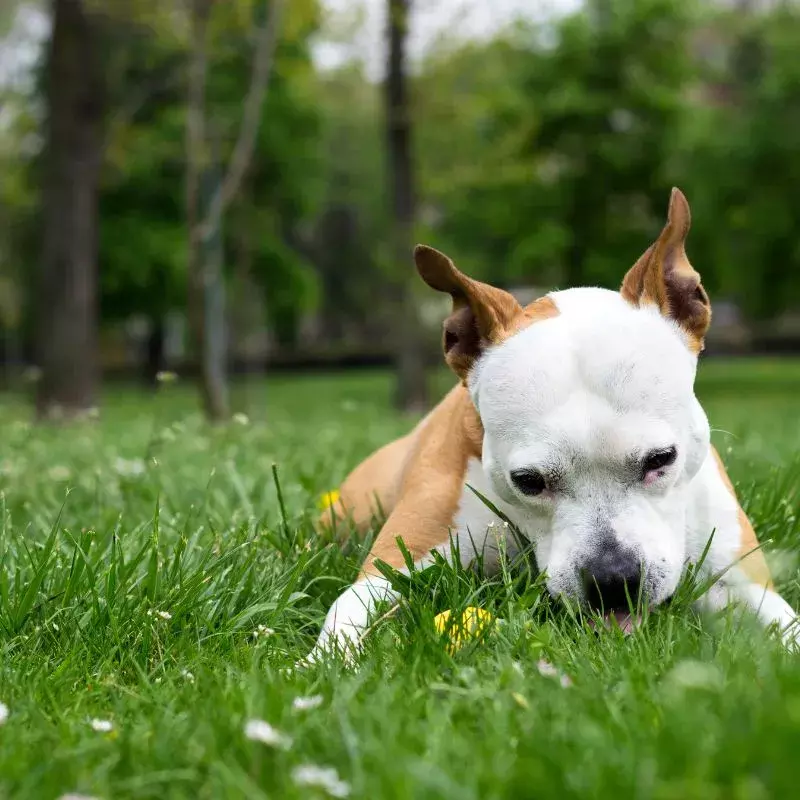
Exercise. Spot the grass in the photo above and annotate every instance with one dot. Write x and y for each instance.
(141, 552)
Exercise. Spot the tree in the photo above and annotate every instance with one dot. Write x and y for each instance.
(208, 196)
(66, 314)
(411, 392)
(742, 162)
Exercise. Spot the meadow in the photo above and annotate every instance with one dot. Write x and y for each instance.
(160, 578)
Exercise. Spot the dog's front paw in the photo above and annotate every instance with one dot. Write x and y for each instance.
(342, 644)
(790, 634)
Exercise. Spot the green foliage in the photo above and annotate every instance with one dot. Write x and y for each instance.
(743, 165)
(544, 156)
(135, 597)
(143, 239)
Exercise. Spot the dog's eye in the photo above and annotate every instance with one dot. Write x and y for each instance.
(528, 481)
(658, 459)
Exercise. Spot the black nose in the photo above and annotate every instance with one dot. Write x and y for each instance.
(611, 577)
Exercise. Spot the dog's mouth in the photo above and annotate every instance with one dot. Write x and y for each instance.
(626, 621)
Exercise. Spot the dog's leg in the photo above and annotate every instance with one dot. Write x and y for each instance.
(348, 617)
(768, 606)
(425, 515)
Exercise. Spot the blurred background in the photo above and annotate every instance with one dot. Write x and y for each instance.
(226, 187)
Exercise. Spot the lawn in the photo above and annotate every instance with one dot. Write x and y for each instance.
(158, 579)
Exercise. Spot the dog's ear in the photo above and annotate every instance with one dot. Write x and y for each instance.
(664, 277)
(482, 314)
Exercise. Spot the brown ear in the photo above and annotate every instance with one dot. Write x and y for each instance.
(664, 277)
(482, 315)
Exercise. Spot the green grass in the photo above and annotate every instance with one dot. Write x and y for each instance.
(104, 525)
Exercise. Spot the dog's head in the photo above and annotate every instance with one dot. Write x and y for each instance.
(592, 431)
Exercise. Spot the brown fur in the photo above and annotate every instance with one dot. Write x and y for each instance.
(664, 277)
(482, 315)
(752, 563)
(431, 484)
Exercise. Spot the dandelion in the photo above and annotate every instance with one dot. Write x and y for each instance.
(307, 703)
(241, 419)
(328, 500)
(262, 630)
(101, 725)
(3, 713)
(187, 675)
(325, 778)
(165, 376)
(259, 731)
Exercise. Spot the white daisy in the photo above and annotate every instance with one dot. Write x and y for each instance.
(73, 796)
(3, 713)
(101, 725)
(260, 731)
(325, 778)
(307, 703)
(546, 668)
(132, 468)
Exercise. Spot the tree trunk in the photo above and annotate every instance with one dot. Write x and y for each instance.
(66, 313)
(205, 209)
(155, 351)
(411, 390)
(197, 166)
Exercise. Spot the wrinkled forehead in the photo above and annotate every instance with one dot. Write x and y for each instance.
(599, 352)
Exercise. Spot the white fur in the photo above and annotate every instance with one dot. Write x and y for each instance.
(586, 395)
(581, 394)
(349, 616)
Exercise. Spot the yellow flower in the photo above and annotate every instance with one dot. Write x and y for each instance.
(328, 500)
(472, 624)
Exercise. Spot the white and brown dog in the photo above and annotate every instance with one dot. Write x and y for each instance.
(576, 417)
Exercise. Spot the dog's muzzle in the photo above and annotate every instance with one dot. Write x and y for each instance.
(613, 583)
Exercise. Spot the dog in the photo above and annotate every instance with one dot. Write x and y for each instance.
(576, 417)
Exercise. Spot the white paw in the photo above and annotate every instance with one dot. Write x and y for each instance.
(790, 634)
(342, 644)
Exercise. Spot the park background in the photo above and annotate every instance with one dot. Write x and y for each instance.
(223, 188)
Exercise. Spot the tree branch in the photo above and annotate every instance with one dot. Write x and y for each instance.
(266, 42)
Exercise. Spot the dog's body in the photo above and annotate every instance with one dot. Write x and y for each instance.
(576, 417)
